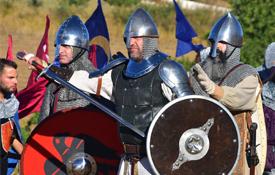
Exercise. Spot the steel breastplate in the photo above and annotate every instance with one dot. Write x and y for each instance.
(137, 69)
(137, 101)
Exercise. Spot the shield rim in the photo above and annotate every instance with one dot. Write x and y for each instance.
(158, 115)
(49, 120)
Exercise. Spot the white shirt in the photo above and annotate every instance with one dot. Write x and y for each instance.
(81, 80)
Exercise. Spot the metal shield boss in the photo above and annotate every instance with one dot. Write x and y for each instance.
(193, 135)
(76, 142)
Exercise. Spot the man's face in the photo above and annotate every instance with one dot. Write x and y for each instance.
(221, 47)
(8, 80)
(136, 48)
(221, 51)
(65, 54)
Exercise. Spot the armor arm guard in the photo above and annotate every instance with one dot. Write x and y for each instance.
(175, 77)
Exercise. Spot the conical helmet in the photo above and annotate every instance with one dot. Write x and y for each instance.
(73, 33)
(140, 24)
(228, 30)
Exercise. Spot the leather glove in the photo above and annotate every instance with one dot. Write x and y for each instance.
(207, 84)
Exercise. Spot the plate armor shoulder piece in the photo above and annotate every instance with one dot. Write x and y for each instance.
(175, 77)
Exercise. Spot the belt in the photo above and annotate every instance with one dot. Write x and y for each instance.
(4, 120)
(138, 150)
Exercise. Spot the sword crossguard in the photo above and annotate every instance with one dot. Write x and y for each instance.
(43, 71)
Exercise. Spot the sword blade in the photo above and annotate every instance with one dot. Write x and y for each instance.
(66, 84)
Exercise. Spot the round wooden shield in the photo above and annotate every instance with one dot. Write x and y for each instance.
(193, 135)
(65, 139)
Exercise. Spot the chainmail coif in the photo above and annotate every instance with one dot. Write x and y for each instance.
(67, 99)
(150, 47)
(217, 68)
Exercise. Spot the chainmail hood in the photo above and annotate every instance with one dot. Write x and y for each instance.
(217, 68)
(269, 95)
(66, 98)
(150, 47)
(9, 106)
(80, 62)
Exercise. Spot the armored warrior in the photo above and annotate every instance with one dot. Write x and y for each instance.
(72, 43)
(223, 77)
(139, 86)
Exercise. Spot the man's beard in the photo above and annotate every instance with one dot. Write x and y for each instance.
(4, 89)
(221, 55)
(137, 56)
(219, 66)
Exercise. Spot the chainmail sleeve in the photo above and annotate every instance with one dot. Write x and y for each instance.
(46, 105)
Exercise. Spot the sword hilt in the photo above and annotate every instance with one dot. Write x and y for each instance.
(251, 153)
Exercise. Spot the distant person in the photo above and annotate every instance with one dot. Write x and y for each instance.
(10, 129)
(267, 74)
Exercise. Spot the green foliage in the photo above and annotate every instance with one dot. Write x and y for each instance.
(163, 15)
(63, 10)
(123, 2)
(160, 13)
(121, 15)
(66, 8)
(26, 130)
(257, 19)
(36, 3)
(7, 3)
(77, 2)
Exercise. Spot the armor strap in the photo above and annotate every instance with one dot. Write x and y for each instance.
(130, 165)
(135, 167)
(135, 150)
(248, 116)
(261, 88)
(99, 85)
(229, 72)
(241, 167)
